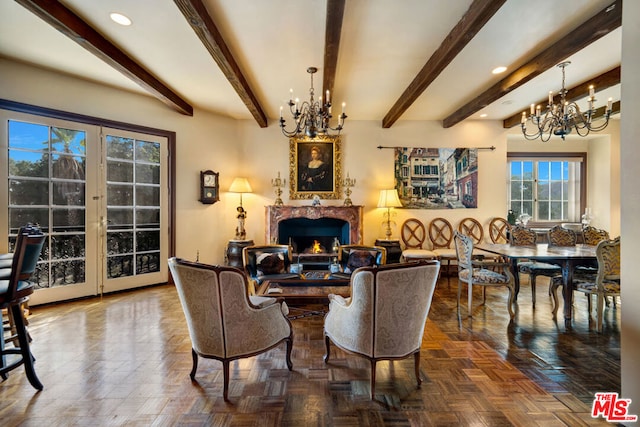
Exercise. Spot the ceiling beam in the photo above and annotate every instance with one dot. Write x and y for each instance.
(335, 13)
(198, 17)
(601, 82)
(473, 20)
(71, 25)
(601, 24)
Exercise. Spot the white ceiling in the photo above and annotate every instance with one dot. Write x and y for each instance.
(384, 44)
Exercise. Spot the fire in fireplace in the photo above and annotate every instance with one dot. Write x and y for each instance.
(313, 235)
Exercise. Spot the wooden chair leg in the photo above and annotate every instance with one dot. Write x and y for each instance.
(373, 378)
(416, 363)
(194, 368)
(225, 375)
(27, 357)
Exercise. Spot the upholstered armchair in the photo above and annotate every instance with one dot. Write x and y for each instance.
(267, 262)
(385, 316)
(351, 257)
(224, 322)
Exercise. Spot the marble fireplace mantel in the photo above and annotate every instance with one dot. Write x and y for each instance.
(351, 214)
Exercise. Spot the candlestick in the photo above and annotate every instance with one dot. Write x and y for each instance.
(278, 183)
(348, 183)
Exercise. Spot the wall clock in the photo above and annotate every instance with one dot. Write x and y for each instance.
(209, 189)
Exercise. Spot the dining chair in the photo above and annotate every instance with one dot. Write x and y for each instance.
(472, 228)
(225, 322)
(414, 234)
(481, 273)
(14, 292)
(522, 236)
(587, 272)
(384, 319)
(441, 237)
(499, 230)
(607, 280)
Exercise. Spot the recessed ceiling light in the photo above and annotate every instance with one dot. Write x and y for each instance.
(120, 19)
(483, 115)
(499, 70)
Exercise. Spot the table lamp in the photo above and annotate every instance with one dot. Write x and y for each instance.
(389, 199)
(240, 185)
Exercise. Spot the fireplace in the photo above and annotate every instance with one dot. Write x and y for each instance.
(301, 225)
(306, 235)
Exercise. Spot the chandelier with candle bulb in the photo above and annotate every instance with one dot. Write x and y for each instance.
(313, 116)
(560, 119)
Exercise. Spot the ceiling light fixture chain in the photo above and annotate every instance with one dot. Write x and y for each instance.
(311, 117)
(559, 119)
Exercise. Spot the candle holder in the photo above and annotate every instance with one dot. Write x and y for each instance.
(278, 183)
(348, 183)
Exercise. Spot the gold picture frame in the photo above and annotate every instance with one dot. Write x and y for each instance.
(315, 167)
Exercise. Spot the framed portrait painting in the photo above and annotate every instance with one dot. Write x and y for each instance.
(315, 167)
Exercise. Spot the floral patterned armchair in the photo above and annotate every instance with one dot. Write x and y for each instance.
(385, 316)
(224, 322)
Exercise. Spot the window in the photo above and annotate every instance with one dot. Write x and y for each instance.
(547, 187)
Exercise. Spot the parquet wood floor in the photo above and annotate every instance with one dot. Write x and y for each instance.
(125, 360)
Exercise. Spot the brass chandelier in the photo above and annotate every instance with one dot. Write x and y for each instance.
(311, 117)
(560, 119)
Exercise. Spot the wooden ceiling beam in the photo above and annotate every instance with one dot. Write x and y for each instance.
(601, 24)
(199, 19)
(473, 20)
(71, 25)
(601, 82)
(335, 13)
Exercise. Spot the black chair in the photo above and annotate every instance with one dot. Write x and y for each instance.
(267, 262)
(351, 257)
(13, 293)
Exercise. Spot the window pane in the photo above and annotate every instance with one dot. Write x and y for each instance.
(120, 266)
(68, 141)
(28, 192)
(147, 196)
(21, 216)
(67, 246)
(147, 152)
(148, 174)
(556, 211)
(543, 191)
(119, 171)
(543, 171)
(148, 218)
(30, 136)
(147, 241)
(68, 193)
(120, 218)
(119, 148)
(120, 195)
(148, 263)
(119, 243)
(543, 211)
(527, 207)
(69, 219)
(527, 190)
(26, 163)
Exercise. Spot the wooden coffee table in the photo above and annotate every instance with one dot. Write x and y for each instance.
(304, 291)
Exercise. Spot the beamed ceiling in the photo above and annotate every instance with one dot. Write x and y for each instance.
(389, 60)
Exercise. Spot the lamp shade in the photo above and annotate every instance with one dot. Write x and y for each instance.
(240, 185)
(389, 199)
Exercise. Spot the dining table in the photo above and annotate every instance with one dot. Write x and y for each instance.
(567, 257)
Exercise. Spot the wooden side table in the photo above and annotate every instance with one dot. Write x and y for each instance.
(233, 253)
(394, 251)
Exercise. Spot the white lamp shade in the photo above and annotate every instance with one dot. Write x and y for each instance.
(389, 199)
(240, 185)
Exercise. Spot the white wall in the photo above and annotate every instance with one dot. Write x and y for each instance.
(630, 176)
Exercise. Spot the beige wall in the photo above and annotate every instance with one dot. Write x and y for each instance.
(242, 148)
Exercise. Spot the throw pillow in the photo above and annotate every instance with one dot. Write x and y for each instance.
(360, 258)
(270, 263)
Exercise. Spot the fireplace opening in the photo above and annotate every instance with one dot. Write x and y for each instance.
(301, 233)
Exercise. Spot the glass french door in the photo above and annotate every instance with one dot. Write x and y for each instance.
(100, 196)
